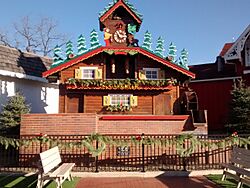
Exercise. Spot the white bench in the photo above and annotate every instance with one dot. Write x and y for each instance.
(50, 168)
(240, 165)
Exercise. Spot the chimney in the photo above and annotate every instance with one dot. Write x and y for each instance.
(220, 63)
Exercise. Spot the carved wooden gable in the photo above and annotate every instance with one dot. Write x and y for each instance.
(119, 24)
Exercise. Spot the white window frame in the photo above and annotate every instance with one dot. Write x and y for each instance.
(152, 69)
(123, 103)
(88, 68)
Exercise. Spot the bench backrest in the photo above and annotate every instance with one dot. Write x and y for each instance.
(50, 159)
(241, 156)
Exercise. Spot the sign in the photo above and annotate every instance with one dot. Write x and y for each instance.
(123, 151)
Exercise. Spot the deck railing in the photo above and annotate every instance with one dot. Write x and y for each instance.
(133, 157)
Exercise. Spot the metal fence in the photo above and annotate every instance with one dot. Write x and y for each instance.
(133, 157)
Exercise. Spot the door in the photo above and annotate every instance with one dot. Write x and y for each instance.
(163, 104)
(74, 103)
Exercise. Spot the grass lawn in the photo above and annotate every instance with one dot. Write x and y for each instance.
(19, 181)
(228, 183)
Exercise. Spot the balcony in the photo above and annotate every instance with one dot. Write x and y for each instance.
(120, 84)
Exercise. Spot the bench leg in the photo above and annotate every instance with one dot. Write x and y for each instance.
(39, 181)
(239, 184)
(69, 177)
(223, 176)
(59, 182)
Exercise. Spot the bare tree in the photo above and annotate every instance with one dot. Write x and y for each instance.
(4, 39)
(48, 35)
(26, 33)
(40, 37)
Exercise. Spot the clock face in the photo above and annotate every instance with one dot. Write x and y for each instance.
(120, 36)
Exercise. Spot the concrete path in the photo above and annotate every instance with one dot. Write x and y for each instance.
(138, 182)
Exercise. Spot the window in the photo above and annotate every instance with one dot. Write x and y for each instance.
(151, 73)
(120, 99)
(88, 72)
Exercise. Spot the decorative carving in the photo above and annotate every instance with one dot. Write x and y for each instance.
(132, 41)
(107, 36)
(235, 51)
(120, 35)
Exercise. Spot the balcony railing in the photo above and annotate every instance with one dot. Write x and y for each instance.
(120, 84)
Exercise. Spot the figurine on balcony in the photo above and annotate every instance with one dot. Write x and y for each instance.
(132, 41)
(107, 36)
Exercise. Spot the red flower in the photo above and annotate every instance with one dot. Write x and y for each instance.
(42, 135)
(138, 138)
(71, 56)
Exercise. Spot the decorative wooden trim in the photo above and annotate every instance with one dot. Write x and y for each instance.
(101, 49)
(117, 5)
(235, 51)
(112, 88)
(121, 53)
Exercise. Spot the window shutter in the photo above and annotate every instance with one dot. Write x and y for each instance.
(161, 74)
(98, 74)
(106, 100)
(133, 101)
(78, 73)
(142, 74)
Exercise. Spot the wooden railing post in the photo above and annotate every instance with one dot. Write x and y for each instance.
(96, 159)
(143, 153)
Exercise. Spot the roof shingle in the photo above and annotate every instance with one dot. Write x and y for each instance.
(14, 60)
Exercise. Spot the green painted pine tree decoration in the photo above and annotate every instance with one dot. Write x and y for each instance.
(147, 41)
(94, 41)
(57, 56)
(10, 116)
(172, 52)
(184, 59)
(160, 47)
(81, 45)
(69, 49)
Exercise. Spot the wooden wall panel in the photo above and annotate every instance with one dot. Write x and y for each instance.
(145, 105)
(96, 61)
(215, 97)
(62, 93)
(93, 104)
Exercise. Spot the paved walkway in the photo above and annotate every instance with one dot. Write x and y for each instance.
(161, 182)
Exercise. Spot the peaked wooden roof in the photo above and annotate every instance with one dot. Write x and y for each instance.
(101, 49)
(121, 3)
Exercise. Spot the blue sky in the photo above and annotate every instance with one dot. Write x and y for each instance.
(200, 26)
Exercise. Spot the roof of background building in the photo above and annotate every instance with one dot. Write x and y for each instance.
(14, 60)
(210, 71)
(225, 48)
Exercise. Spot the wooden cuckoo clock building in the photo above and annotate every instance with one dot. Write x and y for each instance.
(123, 84)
